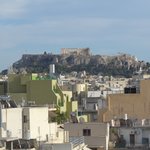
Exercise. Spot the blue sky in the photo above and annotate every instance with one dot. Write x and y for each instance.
(105, 26)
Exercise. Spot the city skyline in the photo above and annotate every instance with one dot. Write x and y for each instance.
(106, 27)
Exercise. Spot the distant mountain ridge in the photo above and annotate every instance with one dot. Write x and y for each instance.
(79, 60)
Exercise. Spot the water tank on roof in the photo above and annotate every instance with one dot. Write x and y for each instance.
(125, 116)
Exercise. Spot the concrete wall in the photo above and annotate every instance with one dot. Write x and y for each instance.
(3, 87)
(57, 135)
(40, 92)
(79, 88)
(18, 97)
(139, 134)
(11, 122)
(53, 130)
(130, 104)
(99, 133)
(37, 123)
(14, 84)
(25, 78)
(126, 135)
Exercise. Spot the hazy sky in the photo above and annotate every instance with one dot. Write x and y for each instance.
(105, 26)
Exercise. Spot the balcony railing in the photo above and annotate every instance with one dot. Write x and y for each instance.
(76, 141)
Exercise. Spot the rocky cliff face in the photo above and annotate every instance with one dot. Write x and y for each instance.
(122, 64)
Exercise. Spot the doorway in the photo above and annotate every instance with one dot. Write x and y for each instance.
(132, 139)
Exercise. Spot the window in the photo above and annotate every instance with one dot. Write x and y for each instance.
(145, 141)
(86, 132)
(25, 119)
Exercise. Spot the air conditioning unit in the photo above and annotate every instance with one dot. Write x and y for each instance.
(137, 132)
(95, 107)
(147, 122)
(143, 122)
(9, 133)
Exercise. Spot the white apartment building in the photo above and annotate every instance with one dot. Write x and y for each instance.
(35, 123)
(11, 122)
(32, 123)
(24, 123)
(59, 140)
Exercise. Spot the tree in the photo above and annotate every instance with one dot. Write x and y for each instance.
(60, 117)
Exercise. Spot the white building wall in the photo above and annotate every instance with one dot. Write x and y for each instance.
(79, 88)
(57, 135)
(11, 119)
(94, 94)
(53, 130)
(37, 124)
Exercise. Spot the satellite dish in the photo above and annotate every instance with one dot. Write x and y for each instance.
(81, 120)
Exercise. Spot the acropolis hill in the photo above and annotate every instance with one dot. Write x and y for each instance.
(79, 59)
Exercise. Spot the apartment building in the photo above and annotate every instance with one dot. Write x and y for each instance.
(135, 137)
(35, 123)
(135, 104)
(23, 123)
(96, 134)
(40, 89)
(20, 126)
